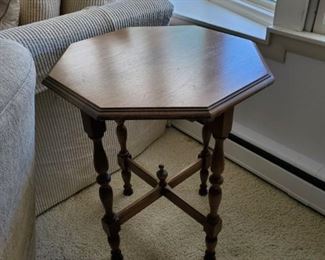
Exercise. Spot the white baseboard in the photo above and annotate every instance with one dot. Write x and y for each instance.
(294, 186)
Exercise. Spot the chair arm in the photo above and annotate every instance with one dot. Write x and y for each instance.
(130, 13)
(47, 40)
(17, 130)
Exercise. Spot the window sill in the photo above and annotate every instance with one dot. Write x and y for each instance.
(274, 42)
(211, 15)
(308, 37)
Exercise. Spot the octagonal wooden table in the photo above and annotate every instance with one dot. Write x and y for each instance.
(183, 72)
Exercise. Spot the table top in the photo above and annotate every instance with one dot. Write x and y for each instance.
(173, 72)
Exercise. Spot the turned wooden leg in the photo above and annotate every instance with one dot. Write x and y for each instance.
(95, 130)
(220, 130)
(123, 157)
(205, 155)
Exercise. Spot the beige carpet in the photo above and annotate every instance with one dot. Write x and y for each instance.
(260, 222)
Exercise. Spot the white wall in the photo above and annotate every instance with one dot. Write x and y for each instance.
(288, 118)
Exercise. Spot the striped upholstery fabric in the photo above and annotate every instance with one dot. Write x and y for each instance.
(130, 13)
(69, 6)
(48, 39)
(9, 13)
(37, 10)
(63, 152)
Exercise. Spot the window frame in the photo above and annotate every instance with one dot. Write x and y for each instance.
(261, 11)
(319, 23)
(268, 4)
(296, 21)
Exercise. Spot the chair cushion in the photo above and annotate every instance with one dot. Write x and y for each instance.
(69, 6)
(37, 10)
(9, 13)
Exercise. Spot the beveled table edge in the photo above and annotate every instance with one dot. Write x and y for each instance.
(190, 113)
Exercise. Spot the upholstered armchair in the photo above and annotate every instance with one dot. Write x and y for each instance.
(17, 122)
(63, 161)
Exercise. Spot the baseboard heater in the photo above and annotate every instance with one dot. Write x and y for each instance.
(279, 162)
(297, 183)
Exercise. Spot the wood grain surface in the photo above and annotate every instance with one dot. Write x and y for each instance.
(159, 72)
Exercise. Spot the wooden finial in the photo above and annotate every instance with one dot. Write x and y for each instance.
(162, 175)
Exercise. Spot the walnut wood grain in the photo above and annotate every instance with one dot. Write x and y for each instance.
(142, 173)
(175, 72)
(182, 204)
(185, 173)
(140, 204)
(180, 72)
(162, 175)
(221, 128)
(205, 155)
(123, 157)
(95, 130)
